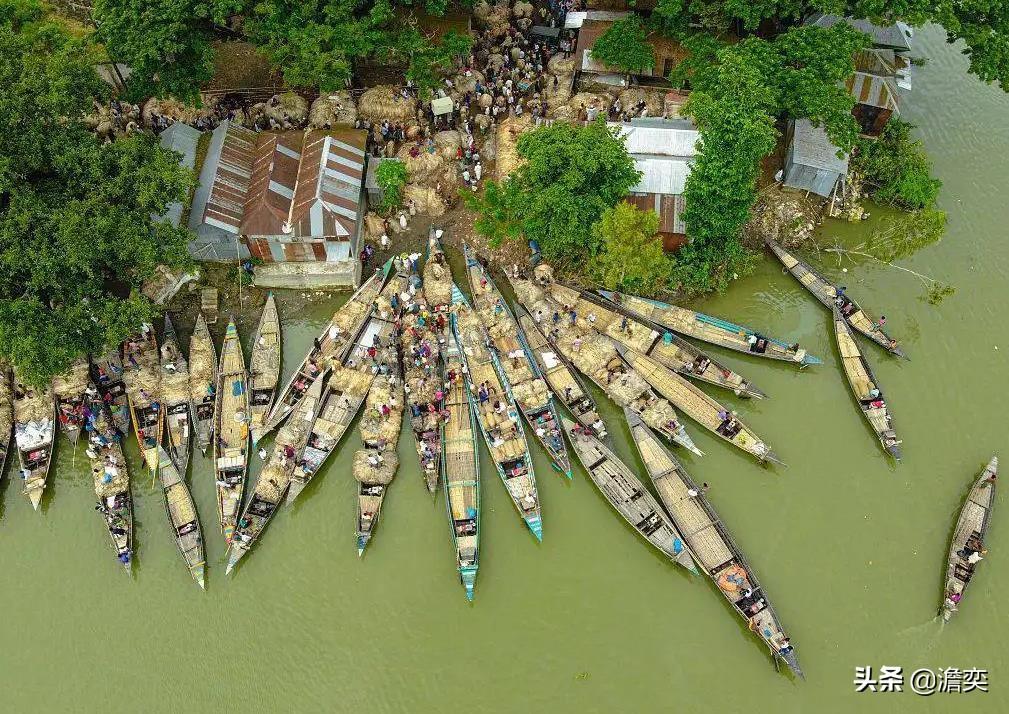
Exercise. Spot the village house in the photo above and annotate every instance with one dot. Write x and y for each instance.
(292, 199)
(666, 53)
(812, 163)
(662, 151)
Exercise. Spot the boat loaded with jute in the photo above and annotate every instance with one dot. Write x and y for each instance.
(107, 373)
(827, 293)
(330, 347)
(34, 434)
(231, 431)
(709, 541)
(202, 381)
(182, 516)
(967, 547)
(275, 478)
(461, 469)
(69, 390)
(560, 375)
(111, 478)
(497, 414)
(628, 496)
(518, 368)
(865, 387)
(142, 375)
(710, 329)
(697, 405)
(6, 414)
(594, 355)
(264, 369)
(641, 336)
(176, 397)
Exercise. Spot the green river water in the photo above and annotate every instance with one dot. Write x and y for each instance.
(850, 547)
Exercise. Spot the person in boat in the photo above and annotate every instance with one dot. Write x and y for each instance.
(701, 363)
(874, 392)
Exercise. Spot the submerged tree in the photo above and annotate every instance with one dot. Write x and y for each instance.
(897, 168)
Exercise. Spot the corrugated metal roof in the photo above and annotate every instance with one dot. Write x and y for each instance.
(661, 174)
(274, 175)
(225, 177)
(812, 147)
(183, 139)
(328, 194)
(873, 90)
(675, 138)
(896, 36)
(574, 20)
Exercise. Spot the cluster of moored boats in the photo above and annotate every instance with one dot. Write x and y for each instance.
(410, 343)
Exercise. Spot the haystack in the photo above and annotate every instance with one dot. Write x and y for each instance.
(532, 392)
(73, 382)
(498, 21)
(654, 100)
(385, 102)
(481, 11)
(382, 473)
(177, 111)
(287, 107)
(559, 64)
(330, 109)
(522, 9)
(109, 472)
(425, 168)
(425, 199)
(274, 479)
(374, 226)
(437, 283)
(508, 133)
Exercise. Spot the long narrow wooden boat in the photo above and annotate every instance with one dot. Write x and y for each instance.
(826, 292)
(594, 355)
(348, 386)
(375, 465)
(142, 376)
(560, 374)
(202, 381)
(710, 329)
(519, 371)
(664, 346)
(6, 414)
(70, 398)
(330, 347)
(111, 477)
(967, 545)
(275, 478)
(628, 496)
(501, 426)
(710, 542)
(461, 470)
(264, 368)
(420, 348)
(231, 431)
(697, 405)
(865, 387)
(107, 373)
(35, 435)
(177, 399)
(182, 517)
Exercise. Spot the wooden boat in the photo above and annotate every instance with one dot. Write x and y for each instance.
(275, 477)
(710, 542)
(826, 292)
(264, 369)
(6, 414)
(641, 336)
(70, 398)
(177, 399)
(182, 516)
(107, 374)
(595, 355)
(111, 478)
(330, 347)
(697, 405)
(348, 386)
(967, 546)
(713, 330)
(34, 434)
(560, 375)
(142, 376)
(202, 381)
(502, 427)
(437, 275)
(516, 364)
(628, 496)
(461, 470)
(231, 431)
(864, 386)
(375, 465)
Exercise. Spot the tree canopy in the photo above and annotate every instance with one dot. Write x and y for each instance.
(631, 258)
(624, 45)
(77, 236)
(569, 176)
(896, 168)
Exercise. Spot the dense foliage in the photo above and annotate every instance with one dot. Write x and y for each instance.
(76, 234)
(631, 258)
(569, 176)
(391, 177)
(896, 168)
(624, 46)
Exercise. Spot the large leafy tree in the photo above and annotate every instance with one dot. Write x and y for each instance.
(624, 45)
(570, 175)
(77, 237)
(631, 259)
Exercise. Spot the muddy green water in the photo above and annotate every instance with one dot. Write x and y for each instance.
(849, 547)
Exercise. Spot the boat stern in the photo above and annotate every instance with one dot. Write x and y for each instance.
(682, 438)
(197, 572)
(468, 577)
(362, 543)
(35, 496)
(535, 524)
(792, 661)
(235, 553)
(296, 487)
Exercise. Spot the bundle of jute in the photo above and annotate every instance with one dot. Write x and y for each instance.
(385, 102)
(73, 382)
(531, 393)
(372, 466)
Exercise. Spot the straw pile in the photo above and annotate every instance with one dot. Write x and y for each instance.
(509, 446)
(6, 412)
(202, 365)
(74, 382)
(374, 427)
(384, 102)
(334, 108)
(143, 382)
(350, 380)
(274, 479)
(654, 99)
(531, 393)
(437, 282)
(425, 168)
(34, 406)
(174, 385)
(508, 133)
(425, 199)
(109, 472)
(381, 473)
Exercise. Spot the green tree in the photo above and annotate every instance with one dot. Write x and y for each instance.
(631, 259)
(624, 45)
(77, 237)
(391, 177)
(569, 177)
(897, 168)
